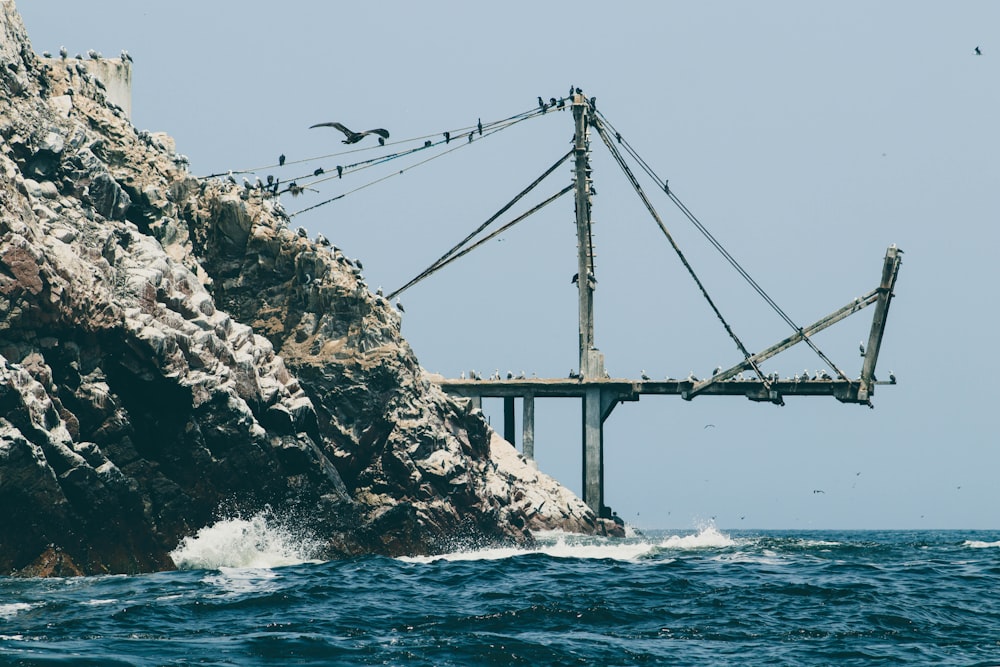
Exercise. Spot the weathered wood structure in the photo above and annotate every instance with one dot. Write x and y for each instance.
(600, 394)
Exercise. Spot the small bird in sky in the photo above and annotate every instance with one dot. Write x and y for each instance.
(818, 491)
(709, 426)
(977, 51)
(352, 137)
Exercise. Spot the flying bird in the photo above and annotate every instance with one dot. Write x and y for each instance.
(977, 51)
(351, 136)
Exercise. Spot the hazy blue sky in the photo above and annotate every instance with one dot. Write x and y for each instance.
(807, 136)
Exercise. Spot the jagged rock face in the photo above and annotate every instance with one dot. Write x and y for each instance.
(168, 347)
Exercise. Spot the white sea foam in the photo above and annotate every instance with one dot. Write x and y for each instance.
(558, 544)
(12, 609)
(560, 548)
(707, 537)
(977, 544)
(257, 542)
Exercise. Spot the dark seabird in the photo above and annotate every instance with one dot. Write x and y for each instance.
(358, 264)
(381, 141)
(351, 136)
(126, 57)
(575, 279)
(340, 171)
(479, 125)
(427, 144)
(399, 306)
(447, 137)
(561, 103)
(643, 375)
(46, 54)
(718, 369)
(281, 160)
(510, 375)
(892, 378)
(63, 53)
(818, 491)
(552, 101)
(618, 137)
(318, 171)
(977, 51)
(270, 180)
(541, 103)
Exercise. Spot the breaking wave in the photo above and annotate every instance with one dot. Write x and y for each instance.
(258, 542)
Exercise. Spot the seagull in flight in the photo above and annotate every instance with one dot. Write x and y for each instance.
(353, 137)
(977, 51)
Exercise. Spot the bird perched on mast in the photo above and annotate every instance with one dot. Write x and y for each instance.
(351, 136)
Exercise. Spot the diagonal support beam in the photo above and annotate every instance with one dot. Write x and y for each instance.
(881, 294)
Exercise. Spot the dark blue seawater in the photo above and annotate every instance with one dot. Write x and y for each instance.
(664, 598)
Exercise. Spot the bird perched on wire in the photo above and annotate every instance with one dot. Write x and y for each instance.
(351, 136)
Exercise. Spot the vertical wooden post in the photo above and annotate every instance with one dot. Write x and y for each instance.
(528, 434)
(591, 361)
(509, 428)
(593, 450)
(585, 253)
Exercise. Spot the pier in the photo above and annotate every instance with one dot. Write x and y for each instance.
(600, 394)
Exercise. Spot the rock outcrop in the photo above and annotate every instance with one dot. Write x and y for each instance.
(171, 351)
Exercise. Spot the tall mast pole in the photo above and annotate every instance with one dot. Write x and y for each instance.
(591, 365)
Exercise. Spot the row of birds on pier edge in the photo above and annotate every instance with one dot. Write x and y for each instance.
(574, 375)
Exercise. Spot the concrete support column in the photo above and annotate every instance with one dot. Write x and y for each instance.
(509, 427)
(528, 435)
(593, 450)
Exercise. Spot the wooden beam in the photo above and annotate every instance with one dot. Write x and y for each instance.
(890, 270)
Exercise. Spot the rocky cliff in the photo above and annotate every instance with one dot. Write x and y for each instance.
(170, 352)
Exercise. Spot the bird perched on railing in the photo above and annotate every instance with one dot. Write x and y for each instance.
(352, 137)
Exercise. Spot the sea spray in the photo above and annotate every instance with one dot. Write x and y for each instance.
(260, 541)
(559, 544)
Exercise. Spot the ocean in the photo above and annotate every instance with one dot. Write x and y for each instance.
(249, 594)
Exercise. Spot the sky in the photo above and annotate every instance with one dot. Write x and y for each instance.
(807, 137)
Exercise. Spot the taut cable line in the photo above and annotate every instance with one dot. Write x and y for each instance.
(447, 257)
(662, 184)
(488, 130)
(687, 265)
